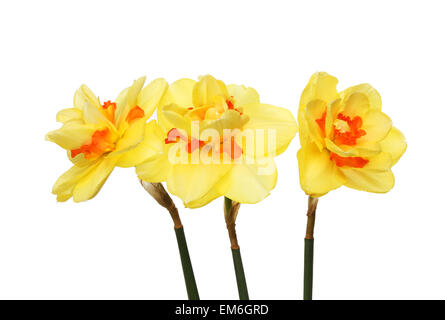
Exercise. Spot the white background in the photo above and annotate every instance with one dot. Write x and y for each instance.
(121, 244)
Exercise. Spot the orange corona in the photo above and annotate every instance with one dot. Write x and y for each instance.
(100, 143)
(345, 137)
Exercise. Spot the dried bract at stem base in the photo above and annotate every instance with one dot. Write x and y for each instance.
(157, 191)
(230, 213)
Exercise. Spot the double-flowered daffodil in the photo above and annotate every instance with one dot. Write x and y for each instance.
(213, 140)
(99, 136)
(345, 138)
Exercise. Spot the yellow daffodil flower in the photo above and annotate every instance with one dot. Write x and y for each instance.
(99, 136)
(213, 140)
(345, 138)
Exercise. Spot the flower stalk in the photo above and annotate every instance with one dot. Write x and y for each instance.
(230, 213)
(157, 191)
(309, 248)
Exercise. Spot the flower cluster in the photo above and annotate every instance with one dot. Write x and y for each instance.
(211, 139)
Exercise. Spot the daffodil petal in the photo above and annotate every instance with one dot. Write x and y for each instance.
(69, 114)
(72, 135)
(243, 95)
(132, 136)
(131, 96)
(332, 111)
(85, 95)
(376, 125)
(207, 89)
(91, 183)
(356, 104)
(321, 86)
(151, 145)
(173, 116)
(68, 180)
(251, 183)
(216, 191)
(375, 101)
(178, 93)
(314, 111)
(318, 174)
(379, 162)
(89, 104)
(192, 181)
(149, 97)
(363, 150)
(230, 119)
(368, 180)
(271, 120)
(395, 144)
(79, 160)
(154, 169)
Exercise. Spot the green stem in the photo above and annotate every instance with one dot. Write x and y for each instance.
(230, 213)
(157, 191)
(308, 268)
(309, 249)
(240, 277)
(190, 283)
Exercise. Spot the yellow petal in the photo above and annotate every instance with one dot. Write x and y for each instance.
(356, 104)
(314, 111)
(72, 135)
(318, 174)
(132, 136)
(271, 120)
(395, 144)
(368, 180)
(125, 105)
(207, 89)
(332, 111)
(173, 117)
(251, 183)
(70, 114)
(90, 184)
(155, 168)
(192, 181)
(152, 144)
(178, 93)
(379, 162)
(79, 160)
(215, 192)
(65, 195)
(85, 95)
(71, 177)
(230, 119)
(375, 101)
(121, 101)
(150, 97)
(321, 86)
(89, 104)
(377, 126)
(243, 95)
(363, 150)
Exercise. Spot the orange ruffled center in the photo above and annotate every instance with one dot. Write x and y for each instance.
(346, 131)
(100, 143)
(232, 148)
(102, 140)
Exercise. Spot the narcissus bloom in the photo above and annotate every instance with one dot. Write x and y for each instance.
(213, 140)
(345, 138)
(99, 136)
